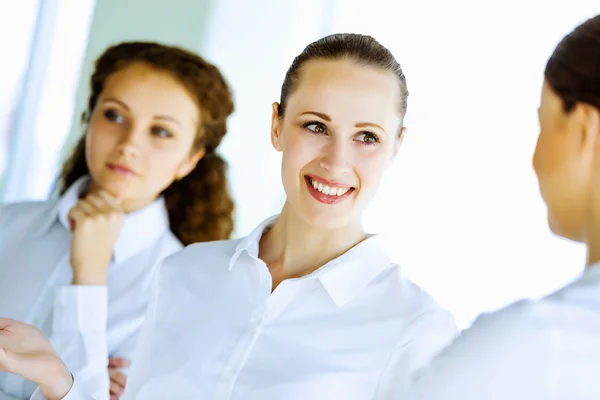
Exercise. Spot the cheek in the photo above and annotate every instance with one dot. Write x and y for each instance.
(369, 171)
(163, 168)
(297, 153)
(99, 144)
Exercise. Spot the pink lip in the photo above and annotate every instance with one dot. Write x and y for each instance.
(325, 198)
(121, 169)
(327, 182)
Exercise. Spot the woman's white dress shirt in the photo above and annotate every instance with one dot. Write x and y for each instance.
(545, 350)
(347, 331)
(86, 324)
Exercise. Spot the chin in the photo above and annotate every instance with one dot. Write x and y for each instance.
(328, 219)
(565, 231)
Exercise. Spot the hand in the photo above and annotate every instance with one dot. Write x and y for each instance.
(96, 222)
(118, 380)
(25, 351)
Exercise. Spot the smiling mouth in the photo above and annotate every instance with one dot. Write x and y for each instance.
(327, 194)
(328, 190)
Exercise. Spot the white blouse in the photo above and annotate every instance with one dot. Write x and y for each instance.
(86, 324)
(354, 329)
(531, 350)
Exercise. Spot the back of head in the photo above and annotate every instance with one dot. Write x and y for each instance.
(362, 49)
(199, 205)
(573, 70)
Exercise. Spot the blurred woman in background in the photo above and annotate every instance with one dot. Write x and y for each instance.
(143, 180)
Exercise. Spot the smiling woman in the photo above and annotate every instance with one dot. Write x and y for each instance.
(309, 305)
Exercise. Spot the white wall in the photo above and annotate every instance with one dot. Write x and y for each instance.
(461, 206)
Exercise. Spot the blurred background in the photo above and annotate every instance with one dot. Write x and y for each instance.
(460, 208)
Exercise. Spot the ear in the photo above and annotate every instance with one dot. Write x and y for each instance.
(586, 120)
(276, 127)
(188, 165)
(397, 144)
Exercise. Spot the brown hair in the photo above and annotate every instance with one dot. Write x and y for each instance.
(573, 70)
(362, 49)
(200, 207)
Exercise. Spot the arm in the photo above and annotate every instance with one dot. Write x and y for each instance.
(426, 336)
(79, 335)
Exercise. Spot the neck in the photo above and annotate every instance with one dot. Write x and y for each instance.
(293, 248)
(593, 241)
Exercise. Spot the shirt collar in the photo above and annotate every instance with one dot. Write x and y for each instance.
(250, 243)
(344, 277)
(140, 228)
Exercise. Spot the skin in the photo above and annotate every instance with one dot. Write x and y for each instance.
(567, 164)
(342, 124)
(145, 122)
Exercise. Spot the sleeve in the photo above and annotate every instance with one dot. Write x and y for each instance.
(79, 335)
(426, 336)
(76, 393)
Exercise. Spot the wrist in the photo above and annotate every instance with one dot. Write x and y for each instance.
(60, 383)
(89, 278)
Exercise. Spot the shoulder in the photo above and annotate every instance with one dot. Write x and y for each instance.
(413, 301)
(169, 244)
(512, 353)
(24, 212)
(199, 258)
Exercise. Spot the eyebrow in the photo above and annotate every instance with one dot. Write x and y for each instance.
(327, 118)
(126, 107)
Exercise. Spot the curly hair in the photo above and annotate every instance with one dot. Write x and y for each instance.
(200, 207)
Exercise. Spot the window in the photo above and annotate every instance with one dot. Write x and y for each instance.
(16, 29)
(43, 115)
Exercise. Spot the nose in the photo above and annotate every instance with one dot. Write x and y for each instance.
(130, 143)
(336, 158)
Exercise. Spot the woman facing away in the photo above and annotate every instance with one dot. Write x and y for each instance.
(549, 349)
(143, 180)
(308, 306)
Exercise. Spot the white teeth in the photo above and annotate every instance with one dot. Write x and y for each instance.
(328, 190)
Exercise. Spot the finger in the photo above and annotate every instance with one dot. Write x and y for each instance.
(118, 362)
(75, 215)
(109, 198)
(116, 390)
(6, 323)
(86, 209)
(98, 202)
(117, 377)
(89, 207)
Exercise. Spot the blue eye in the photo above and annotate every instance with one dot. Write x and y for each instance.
(114, 116)
(368, 138)
(161, 132)
(315, 127)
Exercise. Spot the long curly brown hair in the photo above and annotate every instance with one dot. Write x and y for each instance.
(200, 207)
